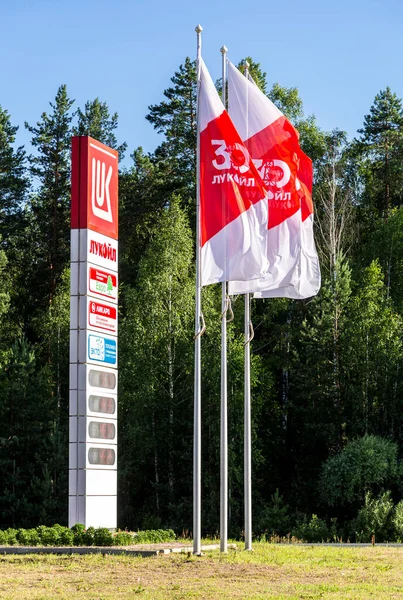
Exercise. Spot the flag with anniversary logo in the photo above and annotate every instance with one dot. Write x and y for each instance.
(273, 144)
(233, 198)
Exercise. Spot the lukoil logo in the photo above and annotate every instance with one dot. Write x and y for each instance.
(100, 198)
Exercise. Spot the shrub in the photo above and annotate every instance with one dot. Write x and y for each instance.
(122, 538)
(397, 521)
(103, 537)
(375, 518)
(154, 536)
(28, 537)
(48, 536)
(79, 536)
(78, 531)
(11, 536)
(364, 465)
(66, 537)
(315, 530)
(88, 536)
(275, 519)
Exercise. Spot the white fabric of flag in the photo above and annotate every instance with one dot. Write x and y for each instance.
(233, 198)
(273, 143)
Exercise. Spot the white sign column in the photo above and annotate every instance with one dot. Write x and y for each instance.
(93, 336)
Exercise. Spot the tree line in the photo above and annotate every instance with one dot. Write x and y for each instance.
(327, 377)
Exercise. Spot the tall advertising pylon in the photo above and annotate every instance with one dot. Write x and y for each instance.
(93, 334)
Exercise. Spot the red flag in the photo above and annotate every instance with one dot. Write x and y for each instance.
(273, 143)
(233, 203)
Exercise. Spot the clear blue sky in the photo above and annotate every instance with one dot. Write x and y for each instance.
(339, 54)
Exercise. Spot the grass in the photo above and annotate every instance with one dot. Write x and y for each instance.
(271, 571)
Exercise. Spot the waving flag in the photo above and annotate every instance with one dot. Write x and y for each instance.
(233, 197)
(273, 144)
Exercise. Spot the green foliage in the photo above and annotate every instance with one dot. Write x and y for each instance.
(97, 122)
(79, 536)
(397, 521)
(88, 537)
(13, 181)
(364, 465)
(175, 119)
(158, 536)
(288, 101)
(255, 71)
(103, 537)
(122, 538)
(28, 537)
(275, 519)
(380, 147)
(78, 531)
(375, 518)
(315, 530)
(11, 536)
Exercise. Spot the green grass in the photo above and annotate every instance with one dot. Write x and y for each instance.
(271, 571)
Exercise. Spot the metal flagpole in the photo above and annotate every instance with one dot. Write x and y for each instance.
(247, 414)
(224, 417)
(198, 333)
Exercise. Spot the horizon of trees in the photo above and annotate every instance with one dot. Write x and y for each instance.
(327, 377)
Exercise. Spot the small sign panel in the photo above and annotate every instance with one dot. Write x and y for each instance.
(101, 250)
(102, 349)
(102, 316)
(102, 283)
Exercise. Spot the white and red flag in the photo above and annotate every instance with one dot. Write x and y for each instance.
(233, 197)
(273, 143)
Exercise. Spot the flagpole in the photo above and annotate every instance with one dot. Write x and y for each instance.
(224, 413)
(198, 333)
(247, 414)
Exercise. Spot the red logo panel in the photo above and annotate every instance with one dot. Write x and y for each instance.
(94, 193)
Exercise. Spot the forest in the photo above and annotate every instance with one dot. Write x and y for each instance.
(327, 372)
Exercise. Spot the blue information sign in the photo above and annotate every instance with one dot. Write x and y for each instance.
(102, 349)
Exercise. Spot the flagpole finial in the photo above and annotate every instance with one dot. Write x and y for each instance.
(198, 28)
(224, 50)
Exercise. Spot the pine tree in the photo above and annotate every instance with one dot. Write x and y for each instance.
(50, 205)
(381, 146)
(97, 122)
(175, 118)
(13, 181)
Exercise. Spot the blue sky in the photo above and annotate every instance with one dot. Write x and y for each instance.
(339, 55)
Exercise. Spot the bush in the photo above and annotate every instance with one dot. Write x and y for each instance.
(48, 536)
(375, 518)
(274, 519)
(365, 464)
(78, 531)
(103, 537)
(315, 530)
(28, 537)
(88, 536)
(66, 537)
(11, 536)
(79, 536)
(154, 536)
(397, 521)
(122, 538)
